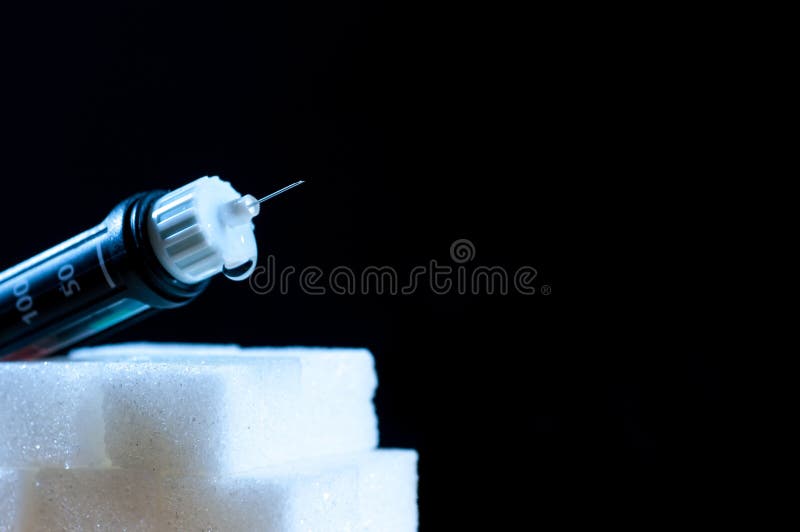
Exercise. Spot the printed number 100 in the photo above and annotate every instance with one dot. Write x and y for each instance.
(24, 302)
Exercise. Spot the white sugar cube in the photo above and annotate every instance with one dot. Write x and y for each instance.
(187, 409)
(90, 499)
(51, 415)
(374, 491)
(387, 487)
(14, 494)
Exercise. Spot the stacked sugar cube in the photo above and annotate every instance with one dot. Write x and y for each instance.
(192, 437)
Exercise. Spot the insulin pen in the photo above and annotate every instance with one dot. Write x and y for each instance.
(155, 250)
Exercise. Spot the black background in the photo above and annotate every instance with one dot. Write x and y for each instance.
(416, 124)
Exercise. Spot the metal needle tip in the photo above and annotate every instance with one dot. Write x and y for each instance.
(281, 191)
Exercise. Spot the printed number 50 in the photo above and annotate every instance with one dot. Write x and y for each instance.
(68, 285)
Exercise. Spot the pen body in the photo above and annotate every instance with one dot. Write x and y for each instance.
(90, 283)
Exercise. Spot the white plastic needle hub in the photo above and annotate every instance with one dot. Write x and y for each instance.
(204, 228)
(239, 211)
